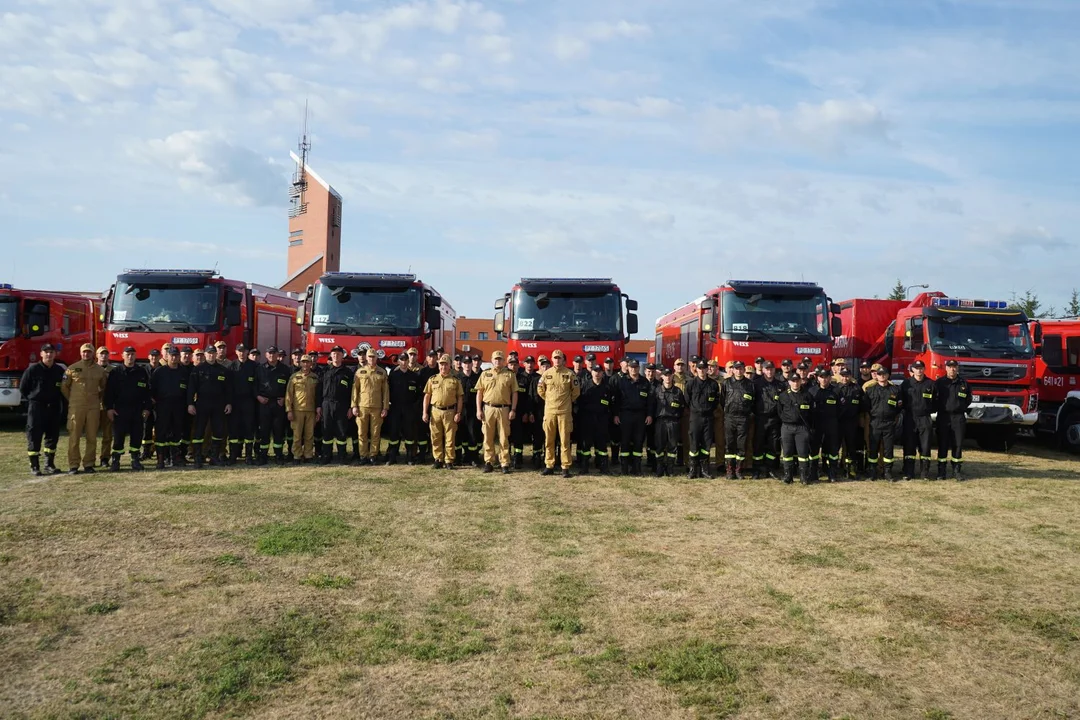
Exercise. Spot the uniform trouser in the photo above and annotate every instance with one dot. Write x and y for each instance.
(917, 433)
(851, 432)
(404, 427)
(241, 425)
(517, 435)
(128, 425)
(825, 441)
(470, 435)
(561, 424)
(794, 443)
(497, 435)
(443, 434)
(171, 423)
(148, 431)
(684, 436)
(42, 423)
(272, 421)
(106, 426)
(303, 429)
(82, 422)
(699, 429)
(593, 436)
(748, 446)
(538, 432)
(335, 425)
(766, 440)
(736, 429)
(212, 418)
(718, 435)
(666, 434)
(369, 430)
(950, 435)
(882, 438)
(632, 434)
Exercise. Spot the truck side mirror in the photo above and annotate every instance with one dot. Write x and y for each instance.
(834, 308)
(37, 320)
(1038, 334)
(498, 322)
(837, 327)
(435, 301)
(631, 324)
(631, 305)
(434, 318)
(233, 300)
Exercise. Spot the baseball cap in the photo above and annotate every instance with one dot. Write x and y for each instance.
(768, 365)
(609, 361)
(371, 353)
(412, 351)
(129, 349)
(210, 349)
(803, 366)
(794, 378)
(296, 351)
(667, 372)
(512, 353)
(305, 358)
(633, 363)
(650, 366)
(48, 347)
(529, 359)
(240, 346)
(822, 372)
(444, 360)
(186, 349)
(590, 357)
(865, 365)
(786, 362)
(498, 355)
(679, 361)
(199, 351)
(253, 351)
(880, 370)
(512, 359)
(433, 353)
(597, 368)
(476, 358)
(701, 364)
(154, 351)
(337, 348)
(458, 358)
(220, 344)
(578, 358)
(738, 364)
(543, 360)
(875, 367)
(845, 371)
(272, 349)
(714, 363)
(806, 359)
(951, 363)
(172, 351)
(694, 359)
(103, 349)
(758, 360)
(557, 353)
(919, 364)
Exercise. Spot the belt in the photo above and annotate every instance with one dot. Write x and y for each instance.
(496, 406)
(445, 407)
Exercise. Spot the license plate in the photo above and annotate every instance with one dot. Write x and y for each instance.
(975, 398)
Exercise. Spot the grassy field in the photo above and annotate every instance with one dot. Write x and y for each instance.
(406, 592)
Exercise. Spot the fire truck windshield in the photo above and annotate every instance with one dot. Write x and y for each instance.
(773, 315)
(9, 320)
(194, 307)
(596, 316)
(973, 337)
(359, 311)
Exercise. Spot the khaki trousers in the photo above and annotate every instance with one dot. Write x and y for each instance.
(303, 428)
(443, 434)
(83, 422)
(497, 430)
(563, 424)
(369, 427)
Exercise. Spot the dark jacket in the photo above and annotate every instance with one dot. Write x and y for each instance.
(884, 403)
(795, 408)
(953, 396)
(42, 384)
(128, 389)
(273, 381)
(633, 394)
(669, 403)
(919, 396)
(702, 396)
(737, 397)
(210, 386)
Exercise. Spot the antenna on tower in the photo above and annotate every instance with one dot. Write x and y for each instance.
(299, 183)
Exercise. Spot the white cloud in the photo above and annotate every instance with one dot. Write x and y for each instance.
(622, 29)
(569, 47)
(643, 107)
(498, 48)
(826, 127)
(577, 45)
(162, 247)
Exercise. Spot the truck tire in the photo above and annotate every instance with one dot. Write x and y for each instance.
(996, 439)
(1069, 431)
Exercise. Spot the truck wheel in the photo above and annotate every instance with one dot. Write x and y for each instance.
(996, 439)
(1069, 432)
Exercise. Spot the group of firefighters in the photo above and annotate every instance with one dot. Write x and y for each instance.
(196, 406)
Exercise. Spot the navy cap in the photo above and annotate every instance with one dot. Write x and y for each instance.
(823, 372)
(951, 363)
(738, 364)
(701, 364)
(253, 351)
(633, 363)
(464, 358)
(210, 348)
(172, 351)
(338, 348)
(768, 365)
(609, 361)
(918, 364)
(155, 351)
(786, 362)
(650, 366)
(512, 353)
(578, 358)
(793, 377)
(272, 349)
(457, 357)
(129, 349)
(803, 366)
(597, 368)
(758, 360)
(48, 346)
(845, 371)
(667, 372)
(297, 351)
(433, 353)
(806, 359)
(865, 364)
(530, 358)
(590, 356)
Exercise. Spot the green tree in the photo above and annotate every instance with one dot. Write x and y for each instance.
(899, 291)
(1073, 307)
(1029, 302)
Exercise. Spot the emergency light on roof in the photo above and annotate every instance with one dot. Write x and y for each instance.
(772, 282)
(374, 276)
(6, 286)
(566, 280)
(147, 271)
(969, 303)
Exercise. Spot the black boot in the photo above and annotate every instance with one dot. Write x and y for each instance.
(548, 471)
(942, 469)
(909, 468)
(925, 468)
(147, 453)
(178, 459)
(739, 472)
(50, 464)
(35, 466)
(392, 454)
(830, 469)
(703, 468)
(566, 473)
(789, 472)
(114, 464)
(691, 470)
(584, 469)
(536, 459)
(160, 458)
(889, 472)
(804, 472)
(729, 468)
(624, 465)
(136, 462)
(519, 459)
(636, 462)
(215, 453)
(874, 471)
(603, 468)
(958, 471)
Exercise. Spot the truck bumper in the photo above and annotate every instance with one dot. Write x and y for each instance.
(10, 398)
(999, 414)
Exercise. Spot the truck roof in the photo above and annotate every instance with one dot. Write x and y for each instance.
(172, 278)
(775, 287)
(372, 280)
(567, 284)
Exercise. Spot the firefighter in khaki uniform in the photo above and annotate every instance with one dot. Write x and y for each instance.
(104, 421)
(303, 405)
(443, 400)
(496, 404)
(559, 387)
(83, 386)
(370, 404)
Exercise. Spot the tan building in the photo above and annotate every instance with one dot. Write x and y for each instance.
(314, 228)
(477, 335)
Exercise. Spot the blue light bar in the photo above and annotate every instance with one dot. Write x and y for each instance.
(565, 280)
(773, 282)
(969, 303)
(6, 286)
(387, 276)
(147, 271)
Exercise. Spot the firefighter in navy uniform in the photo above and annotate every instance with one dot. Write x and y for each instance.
(537, 413)
(168, 389)
(127, 403)
(668, 408)
(187, 423)
(920, 402)
(737, 397)
(425, 372)
(470, 432)
(336, 381)
(766, 421)
(273, 381)
(825, 443)
(851, 423)
(795, 408)
(953, 398)
(156, 361)
(242, 425)
(210, 392)
(635, 404)
(403, 420)
(524, 408)
(702, 395)
(40, 385)
(883, 405)
(596, 405)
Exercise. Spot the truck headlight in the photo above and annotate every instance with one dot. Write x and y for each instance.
(9, 383)
(976, 413)
(1033, 405)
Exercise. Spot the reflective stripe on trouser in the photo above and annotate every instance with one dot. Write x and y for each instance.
(443, 434)
(303, 428)
(563, 424)
(369, 431)
(496, 430)
(83, 422)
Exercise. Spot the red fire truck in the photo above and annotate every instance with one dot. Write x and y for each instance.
(31, 318)
(991, 342)
(1057, 366)
(748, 319)
(147, 308)
(385, 311)
(575, 315)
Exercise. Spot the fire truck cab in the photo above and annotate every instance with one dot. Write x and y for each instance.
(1057, 367)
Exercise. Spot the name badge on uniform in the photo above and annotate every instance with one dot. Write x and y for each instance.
(644, 394)
(804, 407)
(711, 398)
(344, 382)
(604, 402)
(183, 386)
(747, 397)
(281, 381)
(961, 394)
(891, 401)
(855, 401)
(928, 395)
(830, 401)
(221, 378)
(674, 404)
(142, 384)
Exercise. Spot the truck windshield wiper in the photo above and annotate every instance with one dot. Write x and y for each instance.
(136, 323)
(536, 334)
(762, 333)
(183, 327)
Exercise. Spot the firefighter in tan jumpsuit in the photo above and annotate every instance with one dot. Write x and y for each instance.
(370, 405)
(496, 406)
(444, 399)
(559, 387)
(303, 405)
(83, 386)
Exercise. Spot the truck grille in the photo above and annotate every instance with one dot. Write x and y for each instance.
(975, 372)
(999, 399)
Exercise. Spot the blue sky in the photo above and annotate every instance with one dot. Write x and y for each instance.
(670, 145)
